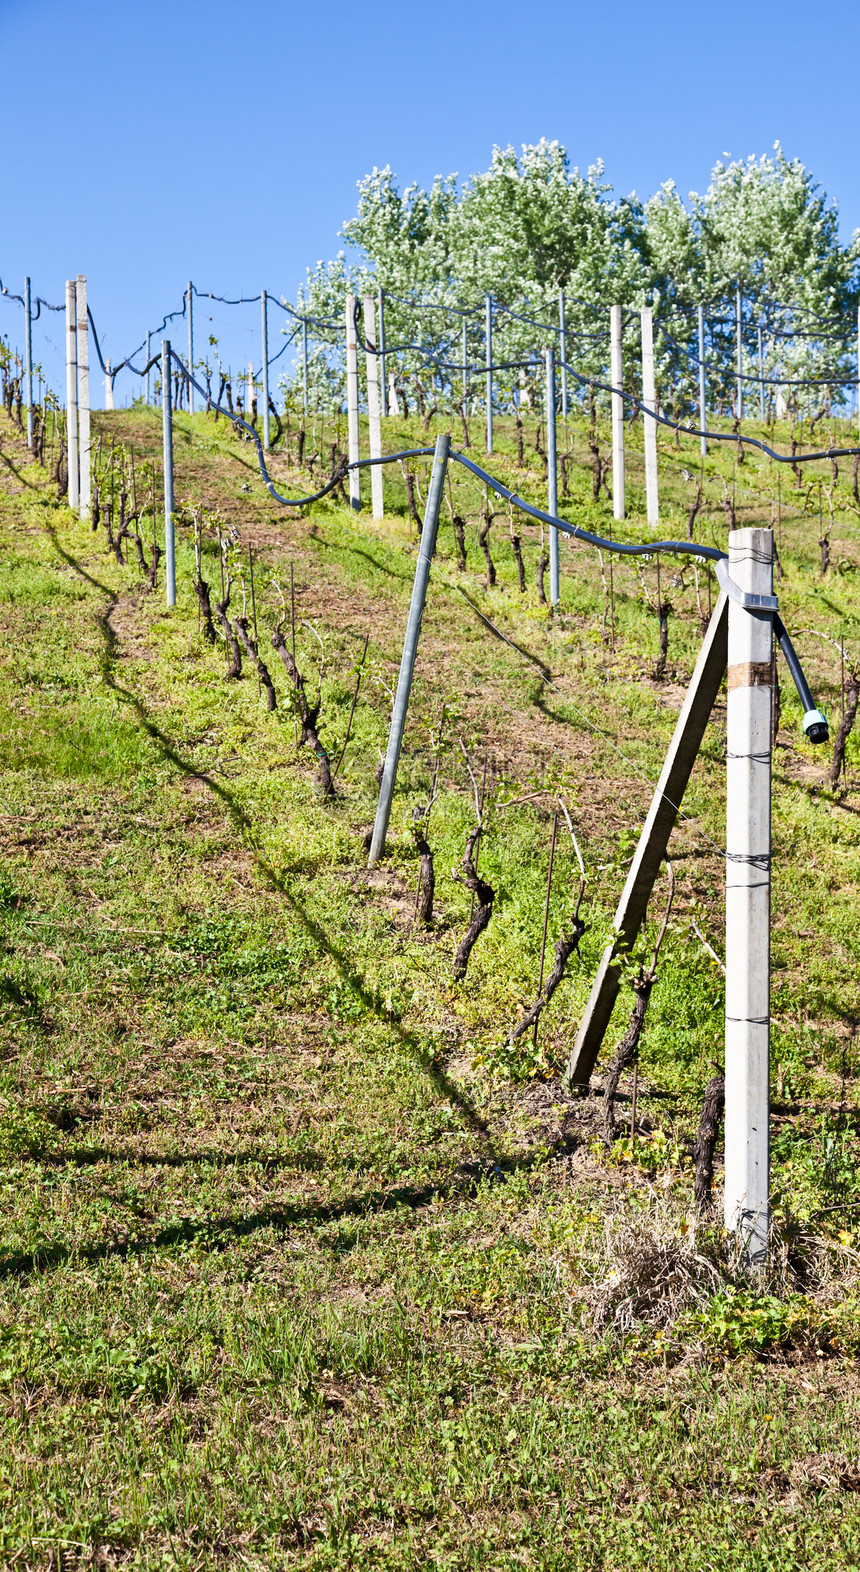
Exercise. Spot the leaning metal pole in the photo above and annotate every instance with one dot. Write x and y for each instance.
(410, 645)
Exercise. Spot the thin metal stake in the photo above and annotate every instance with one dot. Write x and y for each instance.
(478, 844)
(254, 612)
(293, 644)
(426, 548)
(633, 1104)
(546, 916)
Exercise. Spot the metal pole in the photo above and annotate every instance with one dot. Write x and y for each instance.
(649, 430)
(704, 440)
(85, 455)
(304, 368)
(617, 378)
(373, 418)
(488, 306)
(108, 386)
(167, 427)
(748, 859)
(761, 375)
(562, 337)
(739, 325)
(352, 404)
(190, 346)
(466, 365)
(72, 395)
(148, 373)
(265, 316)
(552, 474)
(426, 548)
(858, 370)
(28, 351)
(383, 386)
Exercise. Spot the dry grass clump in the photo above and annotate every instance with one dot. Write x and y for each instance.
(657, 1260)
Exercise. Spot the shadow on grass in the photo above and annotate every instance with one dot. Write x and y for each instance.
(246, 830)
(219, 1233)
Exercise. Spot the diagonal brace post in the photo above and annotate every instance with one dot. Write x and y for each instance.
(677, 769)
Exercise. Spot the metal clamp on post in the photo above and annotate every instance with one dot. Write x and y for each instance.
(763, 603)
(814, 723)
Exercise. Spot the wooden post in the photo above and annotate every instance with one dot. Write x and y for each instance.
(677, 769)
(488, 340)
(748, 857)
(167, 449)
(264, 308)
(373, 414)
(190, 346)
(28, 361)
(616, 378)
(85, 450)
(740, 347)
(704, 440)
(562, 344)
(352, 404)
(383, 403)
(649, 397)
(72, 396)
(552, 476)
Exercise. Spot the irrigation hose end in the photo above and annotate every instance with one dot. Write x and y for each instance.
(815, 726)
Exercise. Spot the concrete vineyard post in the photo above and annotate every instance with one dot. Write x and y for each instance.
(352, 404)
(109, 386)
(426, 548)
(616, 378)
(72, 395)
(84, 454)
(562, 345)
(190, 346)
(28, 352)
(649, 431)
(740, 348)
(552, 475)
(704, 440)
(167, 437)
(265, 325)
(383, 398)
(748, 858)
(304, 368)
(373, 416)
(488, 338)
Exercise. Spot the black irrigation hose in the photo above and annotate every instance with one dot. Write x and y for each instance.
(814, 722)
(749, 376)
(712, 436)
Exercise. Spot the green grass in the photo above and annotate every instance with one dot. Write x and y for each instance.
(302, 1265)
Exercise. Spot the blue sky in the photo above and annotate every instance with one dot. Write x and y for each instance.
(151, 143)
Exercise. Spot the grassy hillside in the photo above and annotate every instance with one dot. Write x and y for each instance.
(303, 1264)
